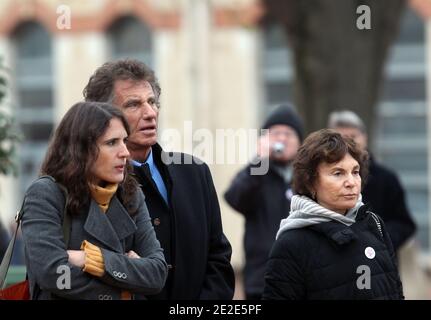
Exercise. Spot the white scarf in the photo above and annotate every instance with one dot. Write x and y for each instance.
(306, 212)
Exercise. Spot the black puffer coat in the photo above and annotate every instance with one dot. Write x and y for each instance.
(328, 261)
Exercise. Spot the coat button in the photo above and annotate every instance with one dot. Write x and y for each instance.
(156, 221)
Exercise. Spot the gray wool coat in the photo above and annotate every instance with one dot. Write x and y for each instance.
(50, 274)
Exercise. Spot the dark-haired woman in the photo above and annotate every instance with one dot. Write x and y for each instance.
(112, 251)
(331, 246)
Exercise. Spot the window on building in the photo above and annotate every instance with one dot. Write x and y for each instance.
(277, 67)
(402, 112)
(34, 96)
(130, 38)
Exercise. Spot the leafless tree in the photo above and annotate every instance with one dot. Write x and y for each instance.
(337, 64)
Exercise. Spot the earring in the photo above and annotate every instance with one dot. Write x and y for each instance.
(313, 194)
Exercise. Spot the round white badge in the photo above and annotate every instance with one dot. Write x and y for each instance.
(289, 194)
(370, 253)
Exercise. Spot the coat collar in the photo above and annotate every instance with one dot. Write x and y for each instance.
(111, 227)
(339, 233)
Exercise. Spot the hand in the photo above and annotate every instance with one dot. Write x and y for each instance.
(132, 254)
(77, 258)
(265, 148)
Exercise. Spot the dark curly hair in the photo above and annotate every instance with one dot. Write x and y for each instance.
(324, 146)
(73, 150)
(100, 87)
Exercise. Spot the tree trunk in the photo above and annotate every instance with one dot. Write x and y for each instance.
(337, 65)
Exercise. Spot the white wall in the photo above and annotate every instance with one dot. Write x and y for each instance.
(76, 56)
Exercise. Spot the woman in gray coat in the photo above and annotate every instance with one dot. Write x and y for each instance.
(109, 249)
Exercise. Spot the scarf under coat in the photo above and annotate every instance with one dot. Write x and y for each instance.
(305, 212)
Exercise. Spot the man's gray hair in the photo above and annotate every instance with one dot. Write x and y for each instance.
(345, 118)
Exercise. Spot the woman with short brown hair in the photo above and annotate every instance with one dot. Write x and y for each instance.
(331, 246)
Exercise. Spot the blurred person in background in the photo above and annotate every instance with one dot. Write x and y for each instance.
(331, 246)
(265, 199)
(180, 195)
(383, 190)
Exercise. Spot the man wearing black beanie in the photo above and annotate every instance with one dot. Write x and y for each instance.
(285, 114)
(265, 199)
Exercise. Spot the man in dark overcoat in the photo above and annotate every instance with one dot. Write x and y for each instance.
(178, 188)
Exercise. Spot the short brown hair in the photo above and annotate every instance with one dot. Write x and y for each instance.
(327, 146)
(100, 87)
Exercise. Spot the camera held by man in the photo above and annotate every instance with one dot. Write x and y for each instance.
(265, 199)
